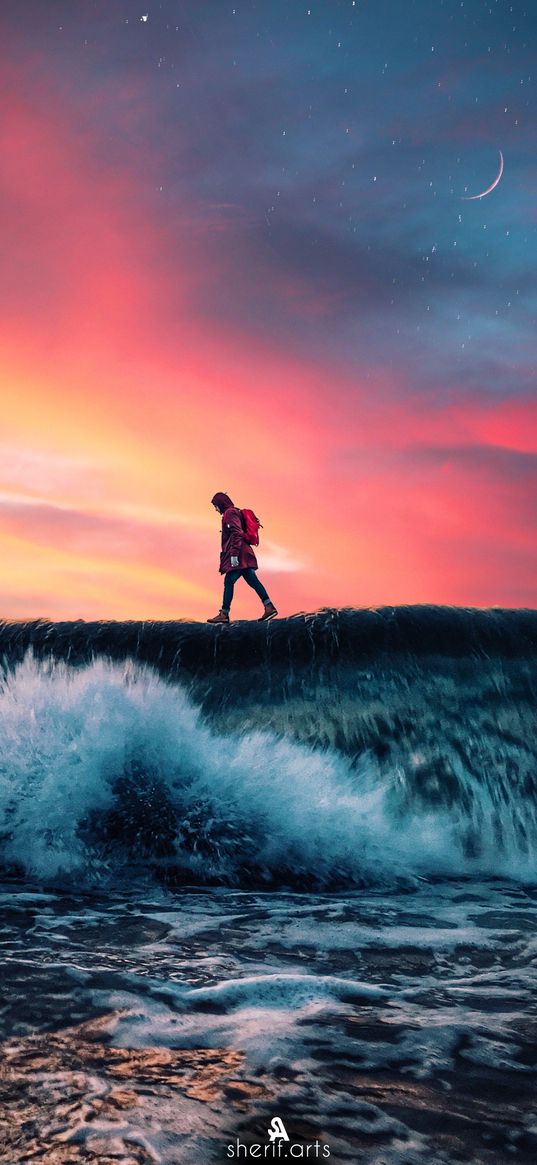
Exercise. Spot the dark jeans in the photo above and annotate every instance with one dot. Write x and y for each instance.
(250, 577)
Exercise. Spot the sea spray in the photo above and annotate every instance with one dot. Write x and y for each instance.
(108, 771)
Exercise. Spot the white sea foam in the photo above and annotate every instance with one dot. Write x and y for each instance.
(104, 767)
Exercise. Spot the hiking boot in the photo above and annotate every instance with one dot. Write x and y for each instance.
(222, 617)
(269, 613)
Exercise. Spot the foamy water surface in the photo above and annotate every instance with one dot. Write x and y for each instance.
(202, 930)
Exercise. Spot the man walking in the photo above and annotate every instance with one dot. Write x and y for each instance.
(237, 560)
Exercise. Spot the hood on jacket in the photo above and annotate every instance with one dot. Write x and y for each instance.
(221, 501)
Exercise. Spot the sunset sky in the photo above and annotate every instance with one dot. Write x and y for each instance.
(239, 253)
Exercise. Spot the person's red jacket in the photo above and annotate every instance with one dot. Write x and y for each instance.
(234, 543)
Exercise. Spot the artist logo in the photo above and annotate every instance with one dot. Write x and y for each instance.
(279, 1146)
(277, 1129)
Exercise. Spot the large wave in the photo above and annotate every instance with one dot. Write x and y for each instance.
(108, 772)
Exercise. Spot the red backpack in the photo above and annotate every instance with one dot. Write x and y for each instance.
(250, 525)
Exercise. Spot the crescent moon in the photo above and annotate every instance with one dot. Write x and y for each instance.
(471, 197)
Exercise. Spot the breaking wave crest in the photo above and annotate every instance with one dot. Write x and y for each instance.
(108, 772)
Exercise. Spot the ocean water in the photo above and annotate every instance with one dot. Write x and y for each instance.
(318, 907)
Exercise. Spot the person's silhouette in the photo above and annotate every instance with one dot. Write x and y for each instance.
(237, 560)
